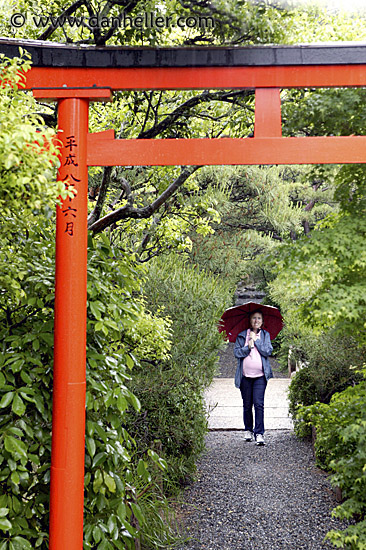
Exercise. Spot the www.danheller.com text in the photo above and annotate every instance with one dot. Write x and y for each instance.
(146, 20)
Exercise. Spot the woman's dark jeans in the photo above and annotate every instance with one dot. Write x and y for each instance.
(252, 392)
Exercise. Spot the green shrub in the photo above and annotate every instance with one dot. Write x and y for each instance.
(171, 390)
(340, 447)
(116, 472)
(328, 359)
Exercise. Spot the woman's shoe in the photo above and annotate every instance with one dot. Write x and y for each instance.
(248, 436)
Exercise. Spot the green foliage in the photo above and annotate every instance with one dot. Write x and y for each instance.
(117, 471)
(113, 480)
(171, 390)
(222, 254)
(232, 22)
(26, 300)
(265, 206)
(313, 23)
(191, 210)
(228, 21)
(324, 276)
(341, 447)
(27, 155)
(328, 359)
(321, 112)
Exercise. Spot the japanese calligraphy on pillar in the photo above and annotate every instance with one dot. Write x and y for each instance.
(70, 180)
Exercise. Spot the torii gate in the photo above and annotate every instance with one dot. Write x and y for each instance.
(74, 76)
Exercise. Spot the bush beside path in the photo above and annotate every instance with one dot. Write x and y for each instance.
(258, 498)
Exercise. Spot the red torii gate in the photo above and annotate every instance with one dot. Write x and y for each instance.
(74, 76)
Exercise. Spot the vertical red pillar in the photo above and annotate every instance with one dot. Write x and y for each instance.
(68, 424)
(267, 113)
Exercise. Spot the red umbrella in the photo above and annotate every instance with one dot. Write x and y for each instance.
(236, 319)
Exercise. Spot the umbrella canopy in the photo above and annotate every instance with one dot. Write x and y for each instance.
(236, 319)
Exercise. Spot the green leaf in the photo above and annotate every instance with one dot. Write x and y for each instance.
(122, 510)
(121, 403)
(13, 445)
(110, 483)
(97, 308)
(6, 399)
(112, 524)
(97, 534)
(5, 524)
(4, 512)
(19, 543)
(119, 544)
(47, 337)
(90, 443)
(142, 470)
(25, 377)
(134, 401)
(104, 545)
(99, 459)
(35, 344)
(98, 481)
(16, 505)
(18, 406)
(138, 513)
(39, 403)
(12, 464)
(15, 478)
(158, 461)
(15, 431)
(17, 365)
(39, 541)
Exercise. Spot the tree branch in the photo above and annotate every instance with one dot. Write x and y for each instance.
(71, 9)
(187, 105)
(129, 211)
(260, 229)
(94, 216)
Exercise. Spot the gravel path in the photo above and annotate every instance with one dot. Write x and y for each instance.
(258, 498)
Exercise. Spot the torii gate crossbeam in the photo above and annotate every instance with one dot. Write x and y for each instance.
(74, 76)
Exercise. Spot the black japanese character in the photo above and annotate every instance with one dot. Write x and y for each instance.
(70, 228)
(71, 142)
(70, 211)
(70, 160)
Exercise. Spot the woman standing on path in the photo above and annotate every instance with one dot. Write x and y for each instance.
(252, 349)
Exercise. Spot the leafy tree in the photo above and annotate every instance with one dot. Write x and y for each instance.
(327, 272)
(264, 207)
(340, 448)
(151, 195)
(184, 23)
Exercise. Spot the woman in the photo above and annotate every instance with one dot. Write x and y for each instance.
(252, 349)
